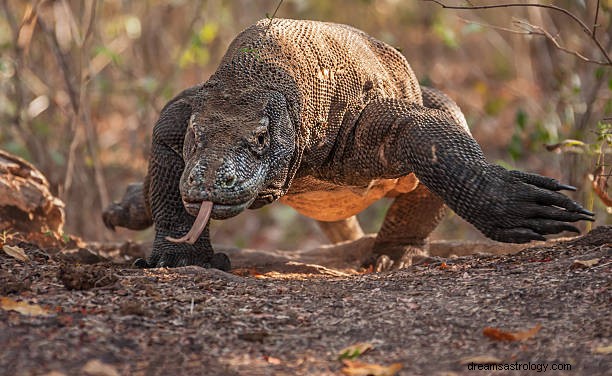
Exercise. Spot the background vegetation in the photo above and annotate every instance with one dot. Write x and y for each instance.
(82, 83)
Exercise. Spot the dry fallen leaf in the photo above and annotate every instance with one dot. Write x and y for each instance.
(15, 252)
(272, 360)
(358, 368)
(24, 308)
(502, 335)
(247, 272)
(599, 182)
(480, 359)
(352, 352)
(96, 368)
(26, 29)
(583, 264)
(603, 350)
(368, 270)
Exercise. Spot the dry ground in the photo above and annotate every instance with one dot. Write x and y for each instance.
(74, 312)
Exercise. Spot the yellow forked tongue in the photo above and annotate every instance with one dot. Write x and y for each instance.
(197, 227)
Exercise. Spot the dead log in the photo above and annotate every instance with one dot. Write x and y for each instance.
(26, 203)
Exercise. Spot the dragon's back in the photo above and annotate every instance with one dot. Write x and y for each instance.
(328, 72)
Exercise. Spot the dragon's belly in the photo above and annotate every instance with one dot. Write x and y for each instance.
(327, 202)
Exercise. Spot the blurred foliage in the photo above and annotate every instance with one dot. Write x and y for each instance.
(82, 83)
(197, 53)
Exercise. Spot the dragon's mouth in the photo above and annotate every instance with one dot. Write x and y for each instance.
(220, 211)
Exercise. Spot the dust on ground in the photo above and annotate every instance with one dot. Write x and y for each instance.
(74, 312)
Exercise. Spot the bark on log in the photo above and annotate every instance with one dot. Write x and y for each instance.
(26, 204)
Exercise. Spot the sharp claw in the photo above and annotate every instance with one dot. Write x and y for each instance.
(517, 235)
(383, 263)
(220, 261)
(582, 217)
(540, 238)
(584, 211)
(107, 222)
(572, 229)
(141, 263)
(567, 187)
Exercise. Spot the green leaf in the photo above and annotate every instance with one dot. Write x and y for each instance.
(494, 106)
(541, 135)
(608, 107)
(102, 50)
(447, 35)
(188, 57)
(208, 32)
(471, 28)
(572, 143)
(355, 350)
(521, 119)
(504, 164)
(425, 81)
(41, 128)
(568, 146)
(57, 158)
(515, 149)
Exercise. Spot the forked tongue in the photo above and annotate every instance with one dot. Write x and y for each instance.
(198, 226)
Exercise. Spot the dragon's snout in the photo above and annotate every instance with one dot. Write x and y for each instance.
(230, 188)
(227, 180)
(225, 176)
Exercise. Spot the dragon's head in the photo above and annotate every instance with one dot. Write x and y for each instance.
(237, 151)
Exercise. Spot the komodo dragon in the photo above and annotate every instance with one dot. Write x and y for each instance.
(326, 119)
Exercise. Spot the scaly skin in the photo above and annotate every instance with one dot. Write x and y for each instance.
(331, 119)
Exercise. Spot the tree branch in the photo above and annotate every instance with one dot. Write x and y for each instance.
(595, 25)
(590, 32)
(530, 29)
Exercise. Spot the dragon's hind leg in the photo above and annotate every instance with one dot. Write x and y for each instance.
(341, 231)
(131, 212)
(402, 238)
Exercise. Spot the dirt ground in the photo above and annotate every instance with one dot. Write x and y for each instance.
(87, 311)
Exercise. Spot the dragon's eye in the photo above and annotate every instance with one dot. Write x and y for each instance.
(189, 146)
(261, 138)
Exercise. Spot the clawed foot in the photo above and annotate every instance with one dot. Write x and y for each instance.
(130, 213)
(384, 263)
(172, 255)
(218, 261)
(519, 207)
(399, 257)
